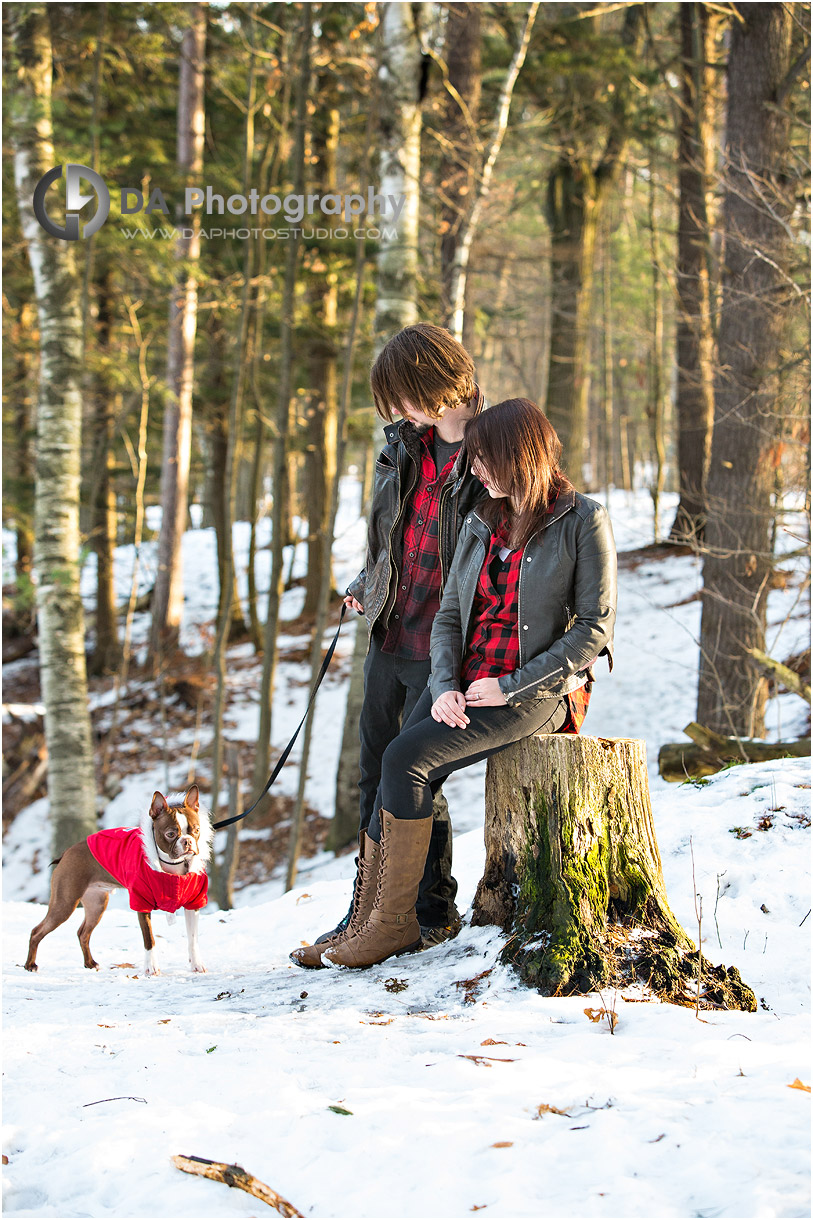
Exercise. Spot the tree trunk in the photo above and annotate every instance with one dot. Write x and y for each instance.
(229, 602)
(71, 781)
(105, 656)
(25, 375)
(344, 828)
(459, 150)
(167, 605)
(279, 515)
(576, 192)
(323, 407)
(399, 168)
(216, 491)
(747, 424)
(572, 212)
(273, 156)
(657, 391)
(458, 276)
(695, 339)
(325, 591)
(573, 872)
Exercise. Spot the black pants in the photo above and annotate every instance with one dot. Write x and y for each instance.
(392, 688)
(425, 752)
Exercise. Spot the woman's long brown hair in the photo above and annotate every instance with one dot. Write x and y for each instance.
(518, 447)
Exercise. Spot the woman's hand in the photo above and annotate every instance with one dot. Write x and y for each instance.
(449, 708)
(352, 604)
(485, 692)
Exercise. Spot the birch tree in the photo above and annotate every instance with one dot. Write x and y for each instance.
(401, 119)
(71, 785)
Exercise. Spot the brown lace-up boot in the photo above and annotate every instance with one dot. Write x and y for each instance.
(391, 927)
(310, 956)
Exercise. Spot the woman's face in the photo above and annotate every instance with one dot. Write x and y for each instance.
(480, 472)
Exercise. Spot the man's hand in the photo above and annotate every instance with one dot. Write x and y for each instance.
(352, 604)
(449, 708)
(485, 692)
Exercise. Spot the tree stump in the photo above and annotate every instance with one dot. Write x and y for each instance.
(574, 874)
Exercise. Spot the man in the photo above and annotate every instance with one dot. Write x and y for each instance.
(422, 491)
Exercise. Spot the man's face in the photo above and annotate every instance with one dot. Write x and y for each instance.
(419, 418)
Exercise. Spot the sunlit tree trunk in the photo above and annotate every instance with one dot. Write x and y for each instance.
(71, 783)
(167, 602)
(106, 652)
(22, 459)
(399, 166)
(279, 515)
(756, 294)
(323, 407)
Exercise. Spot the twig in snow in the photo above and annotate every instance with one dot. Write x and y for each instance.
(101, 1101)
(698, 910)
(235, 1175)
(716, 900)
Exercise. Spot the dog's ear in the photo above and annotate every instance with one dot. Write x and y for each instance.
(191, 798)
(158, 805)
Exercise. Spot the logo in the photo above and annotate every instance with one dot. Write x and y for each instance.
(74, 201)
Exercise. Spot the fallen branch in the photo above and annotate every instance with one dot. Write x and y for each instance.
(775, 669)
(710, 752)
(235, 1175)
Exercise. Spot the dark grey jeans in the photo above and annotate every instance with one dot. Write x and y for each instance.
(392, 688)
(416, 763)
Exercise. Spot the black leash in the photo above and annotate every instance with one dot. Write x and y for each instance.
(283, 758)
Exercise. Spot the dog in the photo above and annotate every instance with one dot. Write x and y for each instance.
(161, 863)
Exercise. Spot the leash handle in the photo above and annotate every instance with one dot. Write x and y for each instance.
(283, 758)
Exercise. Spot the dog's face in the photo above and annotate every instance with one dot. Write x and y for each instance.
(177, 827)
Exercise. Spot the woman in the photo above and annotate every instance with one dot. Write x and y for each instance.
(528, 607)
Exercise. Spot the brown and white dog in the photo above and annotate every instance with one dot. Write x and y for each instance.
(161, 863)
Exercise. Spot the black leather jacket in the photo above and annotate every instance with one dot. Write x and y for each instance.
(566, 610)
(396, 474)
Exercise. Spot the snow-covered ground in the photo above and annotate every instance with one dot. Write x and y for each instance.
(465, 1093)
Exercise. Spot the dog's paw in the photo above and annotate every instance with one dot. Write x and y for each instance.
(197, 967)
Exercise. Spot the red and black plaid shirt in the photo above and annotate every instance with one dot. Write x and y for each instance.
(494, 646)
(418, 599)
(577, 708)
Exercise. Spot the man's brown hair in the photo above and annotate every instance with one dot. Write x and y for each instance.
(519, 449)
(423, 365)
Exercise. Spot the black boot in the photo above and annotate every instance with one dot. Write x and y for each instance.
(341, 926)
(435, 908)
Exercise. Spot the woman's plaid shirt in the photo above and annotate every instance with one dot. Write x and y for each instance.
(494, 646)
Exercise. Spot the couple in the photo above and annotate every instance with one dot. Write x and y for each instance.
(489, 591)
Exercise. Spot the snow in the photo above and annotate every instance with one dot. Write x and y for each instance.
(109, 1074)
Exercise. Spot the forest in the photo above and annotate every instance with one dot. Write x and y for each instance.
(215, 216)
(606, 203)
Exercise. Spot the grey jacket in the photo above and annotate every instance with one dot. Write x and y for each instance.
(567, 597)
(396, 476)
